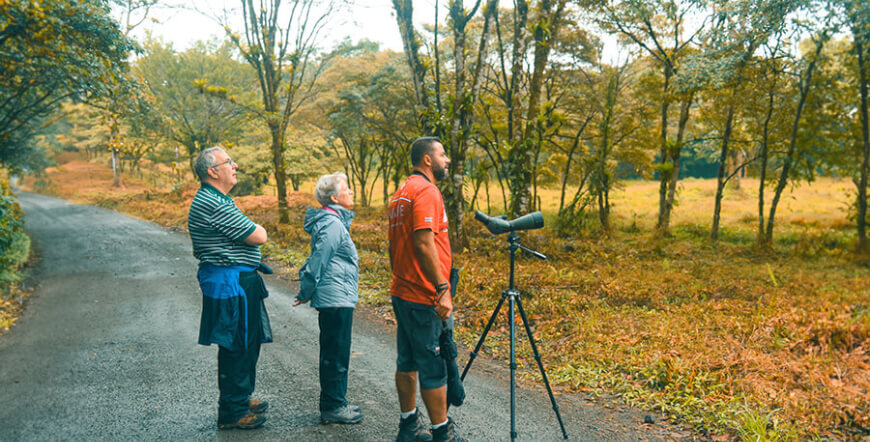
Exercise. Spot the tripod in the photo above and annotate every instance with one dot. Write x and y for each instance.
(513, 297)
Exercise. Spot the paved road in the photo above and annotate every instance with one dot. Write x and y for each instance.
(106, 350)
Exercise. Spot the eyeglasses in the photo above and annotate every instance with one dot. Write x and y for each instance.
(228, 161)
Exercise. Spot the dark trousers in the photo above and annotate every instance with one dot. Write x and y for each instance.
(237, 370)
(335, 327)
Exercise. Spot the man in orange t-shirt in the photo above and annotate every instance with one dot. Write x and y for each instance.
(420, 258)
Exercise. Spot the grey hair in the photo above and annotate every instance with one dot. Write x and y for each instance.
(327, 186)
(205, 161)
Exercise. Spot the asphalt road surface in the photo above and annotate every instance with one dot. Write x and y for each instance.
(106, 350)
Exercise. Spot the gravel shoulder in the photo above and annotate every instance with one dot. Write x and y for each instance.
(106, 350)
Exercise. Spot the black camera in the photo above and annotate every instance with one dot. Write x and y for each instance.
(499, 225)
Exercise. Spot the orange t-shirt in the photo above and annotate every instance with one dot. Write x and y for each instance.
(416, 205)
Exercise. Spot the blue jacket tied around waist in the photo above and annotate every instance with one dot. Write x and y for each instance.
(224, 318)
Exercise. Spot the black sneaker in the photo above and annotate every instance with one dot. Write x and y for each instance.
(346, 414)
(411, 429)
(447, 433)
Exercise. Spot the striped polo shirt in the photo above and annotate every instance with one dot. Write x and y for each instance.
(217, 228)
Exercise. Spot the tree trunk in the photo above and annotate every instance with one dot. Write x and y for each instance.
(385, 181)
(522, 156)
(865, 139)
(465, 95)
(662, 225)
(765, 147)
(720, 178)
(567, 171)
(405, 19)
(603, 180)
(603, 185)
(116, 169)
(277, 149)
(674, 153)
(518, 158)
(456, 148)
(804, 87)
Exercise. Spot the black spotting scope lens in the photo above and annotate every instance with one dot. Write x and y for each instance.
(496, 225)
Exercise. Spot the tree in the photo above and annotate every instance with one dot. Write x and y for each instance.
(615, 123)
(769, 115)
(124, 94)
(858, 19)
(658, 28)
(51, 52)
(193, 90)
(454, 121)
(281, 46)
(740, 28)
(370, 115)
(804, 71)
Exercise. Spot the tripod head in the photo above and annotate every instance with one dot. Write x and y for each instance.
(514, 241)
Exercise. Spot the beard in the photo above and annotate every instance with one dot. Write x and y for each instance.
(440, 173)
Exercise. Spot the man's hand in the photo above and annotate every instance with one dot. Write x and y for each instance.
(299, 302)
(445, 306)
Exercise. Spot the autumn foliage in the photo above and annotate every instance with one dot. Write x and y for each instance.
(736, 341)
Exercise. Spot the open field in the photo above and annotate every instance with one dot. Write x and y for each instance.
(739, 342)
(804, 208)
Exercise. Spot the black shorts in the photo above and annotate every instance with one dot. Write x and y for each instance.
(419, 328)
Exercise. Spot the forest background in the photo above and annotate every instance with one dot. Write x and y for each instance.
(663, 173)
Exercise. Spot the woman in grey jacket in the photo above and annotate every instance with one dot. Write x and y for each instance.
(329, 280)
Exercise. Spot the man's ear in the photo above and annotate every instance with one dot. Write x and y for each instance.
(212, 173)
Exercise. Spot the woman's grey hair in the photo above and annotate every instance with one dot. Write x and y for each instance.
(327, 186)
(205, 161)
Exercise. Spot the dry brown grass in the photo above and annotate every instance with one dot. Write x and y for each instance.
(753, 344)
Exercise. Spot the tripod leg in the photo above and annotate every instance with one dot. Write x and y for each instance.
(482, 337)
(541, 366)
(513, 366)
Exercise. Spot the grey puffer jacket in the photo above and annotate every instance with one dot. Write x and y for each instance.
(330, 275)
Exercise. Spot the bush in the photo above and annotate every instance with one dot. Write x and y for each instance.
(13, 248)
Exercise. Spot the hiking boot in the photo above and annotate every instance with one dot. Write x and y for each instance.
(246, 422)
(447, 433)
(346, 414)
(411, 429)
(257, 406)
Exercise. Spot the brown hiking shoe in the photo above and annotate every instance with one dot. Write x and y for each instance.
(257, 406)
(246, 422)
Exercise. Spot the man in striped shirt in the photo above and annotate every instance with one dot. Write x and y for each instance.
(234, 317)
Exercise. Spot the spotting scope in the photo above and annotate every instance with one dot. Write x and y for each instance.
(499, 225)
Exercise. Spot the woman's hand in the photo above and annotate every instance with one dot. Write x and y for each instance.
(299, 302)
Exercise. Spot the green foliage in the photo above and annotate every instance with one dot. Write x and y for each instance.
(253, 160)
(201, 97)
(769, 427)
(51, 51)
(14, 243)
(370, 117)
